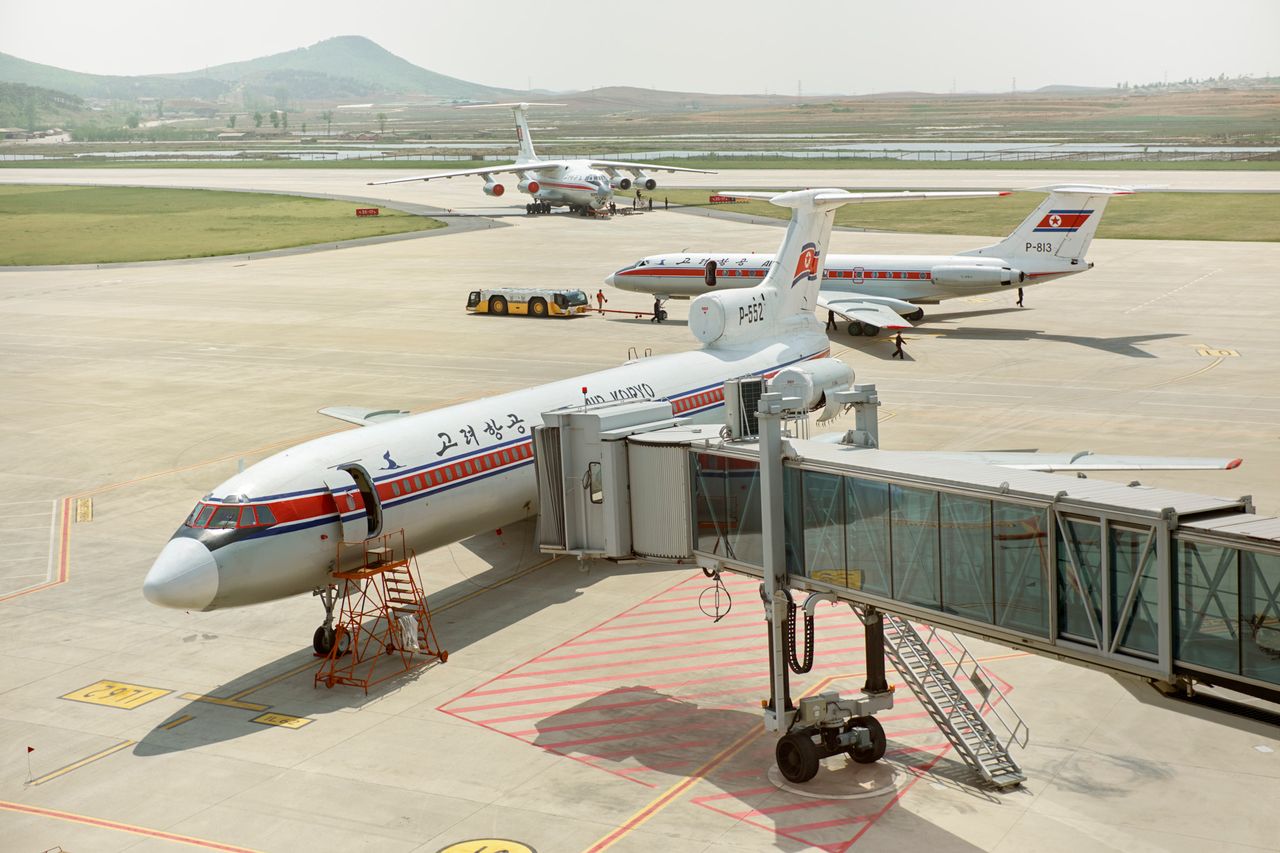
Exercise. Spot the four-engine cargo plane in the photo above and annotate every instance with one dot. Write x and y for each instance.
(876, 292)
(444, 475)
(578, 184)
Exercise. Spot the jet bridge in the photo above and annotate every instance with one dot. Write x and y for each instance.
(1171, 587)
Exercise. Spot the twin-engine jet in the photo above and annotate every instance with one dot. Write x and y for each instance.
(580, 185)
(877, 292)
(441, 476)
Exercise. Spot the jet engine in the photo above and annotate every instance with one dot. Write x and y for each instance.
(730, 314)
(812, 382)
(976, 276)
(620, 182)
(645, 182)
(493, 188)
(529, 185)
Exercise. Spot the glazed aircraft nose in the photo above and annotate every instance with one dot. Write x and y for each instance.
(184, 576)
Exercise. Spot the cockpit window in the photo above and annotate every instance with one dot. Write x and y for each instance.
(224, 517)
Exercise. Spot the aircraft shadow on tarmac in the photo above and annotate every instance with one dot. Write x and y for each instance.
(456, 629)
(1125, 345)
(670, 738)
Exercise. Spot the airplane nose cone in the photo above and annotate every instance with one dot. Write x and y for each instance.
(184, 576)
(611, 280)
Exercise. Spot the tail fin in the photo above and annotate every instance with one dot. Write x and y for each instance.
(521, 111)
(1062, 226)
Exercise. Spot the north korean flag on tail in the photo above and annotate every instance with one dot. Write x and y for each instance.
(1063, 221)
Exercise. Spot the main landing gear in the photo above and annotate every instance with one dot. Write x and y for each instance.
(859, 328)
(323, 640)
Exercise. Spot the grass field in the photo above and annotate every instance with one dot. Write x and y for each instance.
(1143, 216)
(95, 225)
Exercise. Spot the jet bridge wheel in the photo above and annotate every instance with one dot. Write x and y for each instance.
(497, 305)
(797, 757)
(874, 752)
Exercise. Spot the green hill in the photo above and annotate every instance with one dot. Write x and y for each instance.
(334, 69)
(34, 108)
(355, 63)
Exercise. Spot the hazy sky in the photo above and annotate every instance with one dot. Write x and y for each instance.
(742, 46)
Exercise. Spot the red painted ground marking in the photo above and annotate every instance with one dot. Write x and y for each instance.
(587, 709)
(618, 645)
(123, 827)
(664, 731)
(702, 653)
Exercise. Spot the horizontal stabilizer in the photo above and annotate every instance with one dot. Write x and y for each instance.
(1089, 461)
(851, 307)
(362, 417)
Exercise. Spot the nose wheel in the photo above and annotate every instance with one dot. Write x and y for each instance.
(322, 641)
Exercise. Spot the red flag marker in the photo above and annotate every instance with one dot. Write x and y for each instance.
(31, 749)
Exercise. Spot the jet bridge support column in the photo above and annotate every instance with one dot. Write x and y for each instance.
(780, 711)
(826, 724)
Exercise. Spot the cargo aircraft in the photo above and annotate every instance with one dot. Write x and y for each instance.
(270, 531)
(878, 292)
(581, 185)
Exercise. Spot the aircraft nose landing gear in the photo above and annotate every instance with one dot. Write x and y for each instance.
(323, 639)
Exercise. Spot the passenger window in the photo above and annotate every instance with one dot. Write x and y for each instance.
(224, 517)
(265, 516)
(395, 489)
(246, 517)
(202, 519)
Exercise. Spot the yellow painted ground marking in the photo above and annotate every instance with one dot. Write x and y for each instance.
(84, 510)
(226, 703)
(173, 724)
(76, 765)
(1213, 352)
(283, 720)
(270, 681)
(117, 694)
(487, 845)
(1210, 366)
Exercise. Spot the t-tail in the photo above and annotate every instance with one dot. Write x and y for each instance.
(1061, 228)
(521, 111)
(784, 302)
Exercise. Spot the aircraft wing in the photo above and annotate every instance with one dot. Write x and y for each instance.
(620, 164)
(850, 307)
(1089, 461)
(459, 173)
(362, 417)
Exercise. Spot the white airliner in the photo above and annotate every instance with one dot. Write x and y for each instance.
(270, 531)
(877, 292)
(581, 185)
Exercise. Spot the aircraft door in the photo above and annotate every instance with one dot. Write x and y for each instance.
(344, 482)
(709, 274)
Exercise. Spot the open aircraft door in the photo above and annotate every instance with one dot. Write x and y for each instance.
(359, 508)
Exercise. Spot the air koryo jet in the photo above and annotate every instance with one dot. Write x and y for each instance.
(441, 476)
(581, 185)
(877, 292)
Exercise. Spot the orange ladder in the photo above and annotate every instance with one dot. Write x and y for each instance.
(383, 614)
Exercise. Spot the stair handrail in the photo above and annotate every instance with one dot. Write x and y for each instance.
(957, 668)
